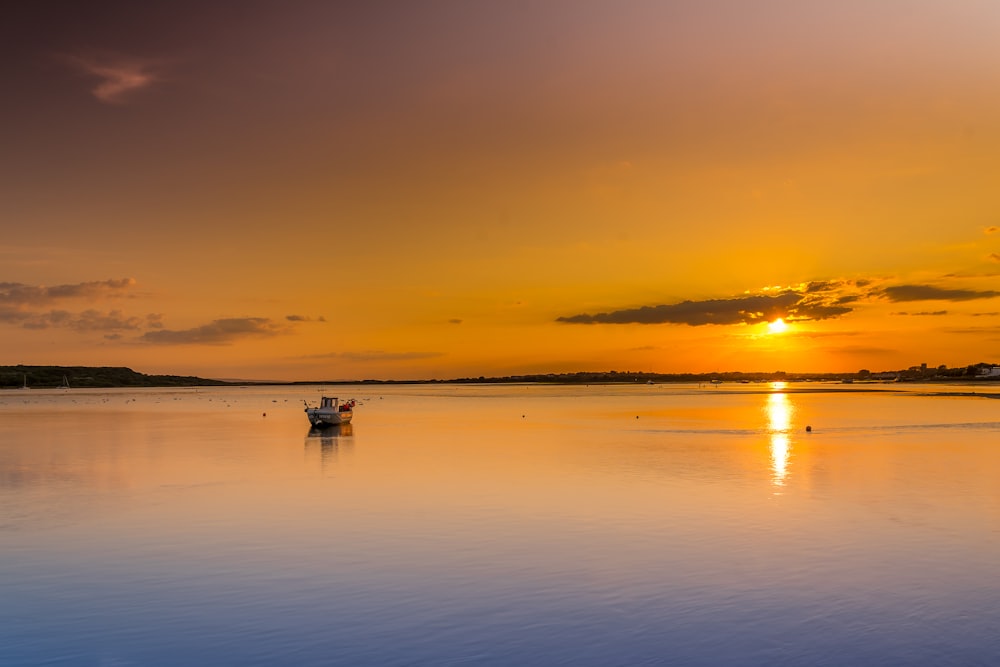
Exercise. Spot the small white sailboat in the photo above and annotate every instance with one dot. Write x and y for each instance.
(331, 412)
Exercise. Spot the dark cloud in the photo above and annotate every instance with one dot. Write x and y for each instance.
(993, 257)
(304, 318)
(992, 229)
(818, 300)
(24, 305)
(19, 294)
(217, 332)
(819, 286)
(92, 320)
(739, 310)
(897, 293)
(817, 311)
(86, 321)
(454, 320)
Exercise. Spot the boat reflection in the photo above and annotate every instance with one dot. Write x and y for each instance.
(329, 441)
(779, 417)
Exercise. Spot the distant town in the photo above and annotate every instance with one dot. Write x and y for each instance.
(22, 377)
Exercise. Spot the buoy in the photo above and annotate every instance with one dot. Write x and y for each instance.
(809, 429)
(265, 414)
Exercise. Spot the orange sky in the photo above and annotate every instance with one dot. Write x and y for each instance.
(323, 190)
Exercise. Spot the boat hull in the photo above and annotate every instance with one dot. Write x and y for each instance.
(321, 417)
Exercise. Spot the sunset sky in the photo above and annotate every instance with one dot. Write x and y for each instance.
(413, 190)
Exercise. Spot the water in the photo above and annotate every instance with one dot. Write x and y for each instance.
(501, 525)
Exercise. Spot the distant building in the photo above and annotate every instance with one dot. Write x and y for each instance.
(988, 371)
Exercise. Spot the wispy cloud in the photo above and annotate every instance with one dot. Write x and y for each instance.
(51, 307)
(993, 257)
(218, 332)
(304, 318)
(922, 313)
(88, 320)
(38, 306)
(992, 229)
(972, 331)
(19, 294)
(898, 293)
(375, 355)
(869, 350)
(120, 76)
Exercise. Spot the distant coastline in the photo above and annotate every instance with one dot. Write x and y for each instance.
(93, 377)
(12, 377)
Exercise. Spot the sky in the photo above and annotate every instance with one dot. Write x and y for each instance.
(458, 188)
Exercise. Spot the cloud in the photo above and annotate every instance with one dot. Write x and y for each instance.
(375, 355)
(810, 301)
(992, 229)
(816, 300)
(31, 306)
(19, 294)
(972, 331)
(120, 76)
(695, 313)
(870, 350)
(898, 293)
(454, 320)
(304, 318)
(218, 332)
(993, 257)
(821, 334)
(86, 321)
(115, 320)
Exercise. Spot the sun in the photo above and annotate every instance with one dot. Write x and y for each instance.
(777, 326)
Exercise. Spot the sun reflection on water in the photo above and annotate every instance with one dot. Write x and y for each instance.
(779, 416)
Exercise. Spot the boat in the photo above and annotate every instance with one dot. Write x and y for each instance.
(331, 412)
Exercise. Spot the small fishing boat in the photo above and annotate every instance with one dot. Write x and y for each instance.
(331, 412)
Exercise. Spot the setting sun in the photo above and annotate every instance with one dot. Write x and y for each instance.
(777, 326)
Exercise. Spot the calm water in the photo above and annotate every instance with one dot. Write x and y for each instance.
(501, 525)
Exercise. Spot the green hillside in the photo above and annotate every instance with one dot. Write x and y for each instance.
(92, 376)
